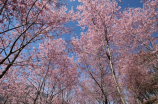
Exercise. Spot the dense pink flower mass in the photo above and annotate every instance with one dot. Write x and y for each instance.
(114, 60)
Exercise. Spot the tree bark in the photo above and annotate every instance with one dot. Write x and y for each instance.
(112, 68)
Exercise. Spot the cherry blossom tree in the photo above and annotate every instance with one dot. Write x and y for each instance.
(128, 44)
(136, 42)
(30, 73)
(26, 22)
(99, 17)
(48, 76)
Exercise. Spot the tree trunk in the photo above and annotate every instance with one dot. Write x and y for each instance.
(112, 68)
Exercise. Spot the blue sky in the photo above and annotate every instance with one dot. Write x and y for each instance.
(131, 3)
(125, 4)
